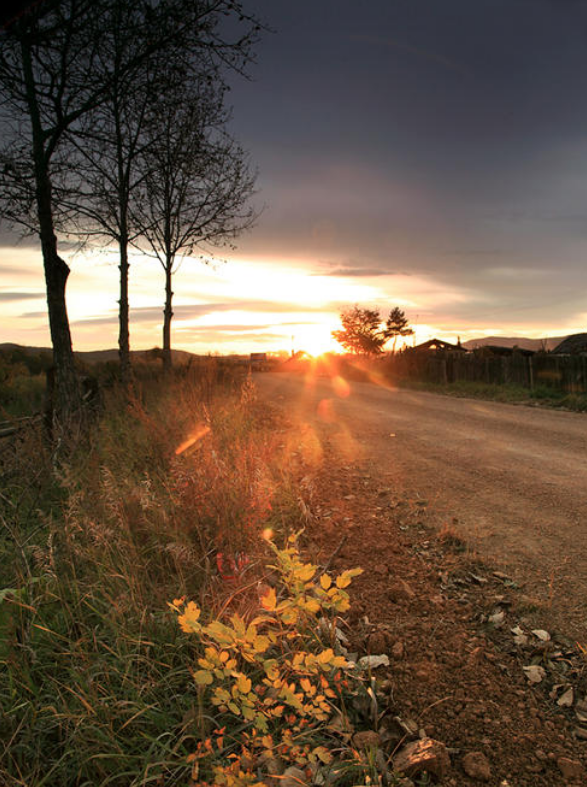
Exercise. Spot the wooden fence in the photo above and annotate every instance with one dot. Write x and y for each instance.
(560, 372)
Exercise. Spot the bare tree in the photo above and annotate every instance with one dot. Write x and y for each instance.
(196, 186)
(120, 143)
(46, 85)
(54, 73)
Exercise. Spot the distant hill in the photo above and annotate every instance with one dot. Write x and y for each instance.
(548, 343)
(95, 356)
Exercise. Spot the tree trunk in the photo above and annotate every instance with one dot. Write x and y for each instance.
(123, 315)
(167, 315)
(67, 395)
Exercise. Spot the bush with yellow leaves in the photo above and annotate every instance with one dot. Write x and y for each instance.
(273, 683)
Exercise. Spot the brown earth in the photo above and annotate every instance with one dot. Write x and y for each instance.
(441, 607)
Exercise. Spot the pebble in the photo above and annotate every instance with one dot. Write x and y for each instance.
(570, 769)
(476, 765)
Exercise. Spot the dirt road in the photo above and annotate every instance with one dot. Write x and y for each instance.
(512, 480)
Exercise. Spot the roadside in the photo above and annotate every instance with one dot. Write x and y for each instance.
(444, 618)
(541, 396)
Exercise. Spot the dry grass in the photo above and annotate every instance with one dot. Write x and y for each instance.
(93, 685)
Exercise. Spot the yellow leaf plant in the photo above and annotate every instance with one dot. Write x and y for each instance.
(274, 675)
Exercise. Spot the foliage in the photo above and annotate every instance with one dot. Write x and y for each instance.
(362, 332)
(22, 381)
(542, 395)
(273, 684)
(397, 325)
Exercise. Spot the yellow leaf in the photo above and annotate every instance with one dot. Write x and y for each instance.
(345, 579)
(203, 677)
(323, 754)
(305, 572)
(311, 605)
(271, 668)
(239, 625)
(261, 643)
(325, 581)
(289, 616)
(244, 684)
(189, 620)
(325, 657)
(221, 633)
(269, 600)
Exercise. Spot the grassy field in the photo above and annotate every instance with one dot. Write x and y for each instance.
(141, 640)
(95, 685)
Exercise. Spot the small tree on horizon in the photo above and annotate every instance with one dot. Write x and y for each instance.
(397, 325)
(361, 331)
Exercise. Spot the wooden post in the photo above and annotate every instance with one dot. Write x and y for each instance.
(531, 372)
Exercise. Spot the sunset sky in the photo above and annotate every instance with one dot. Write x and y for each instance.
(425, 154)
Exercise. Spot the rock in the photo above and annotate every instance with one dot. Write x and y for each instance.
(398, 650)
(293, 777)
(377, 642)
(400, 591)
(535, 673)
(497, 619)
(476, 765)
(381, 568)
(572, 770)
(373, 662)
(541, 634)
(566, 699)
(423, 755)
(581, 733)
(369, 739)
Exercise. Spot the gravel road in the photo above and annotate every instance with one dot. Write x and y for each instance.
(510, 479)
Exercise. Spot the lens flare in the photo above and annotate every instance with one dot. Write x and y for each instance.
(200, 431)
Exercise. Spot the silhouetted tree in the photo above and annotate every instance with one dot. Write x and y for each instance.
(361, 331)
(123, 143)
(196, 183)
(60, 62)
(46, 85)
(397, 324)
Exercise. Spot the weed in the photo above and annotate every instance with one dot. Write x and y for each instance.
(272, 683)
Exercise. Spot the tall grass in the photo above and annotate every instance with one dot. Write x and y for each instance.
(93, 685)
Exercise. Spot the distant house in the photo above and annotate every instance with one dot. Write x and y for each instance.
(438, 344)
(572, 345)
(496, 349)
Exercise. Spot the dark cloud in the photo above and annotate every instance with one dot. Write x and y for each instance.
(352, 272)
(417, 126)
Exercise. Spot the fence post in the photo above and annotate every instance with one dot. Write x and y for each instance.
(531, 372)
(444, 371)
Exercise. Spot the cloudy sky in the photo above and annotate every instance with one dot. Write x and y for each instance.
(431, 155)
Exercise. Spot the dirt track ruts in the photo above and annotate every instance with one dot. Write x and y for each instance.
(512, 480)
